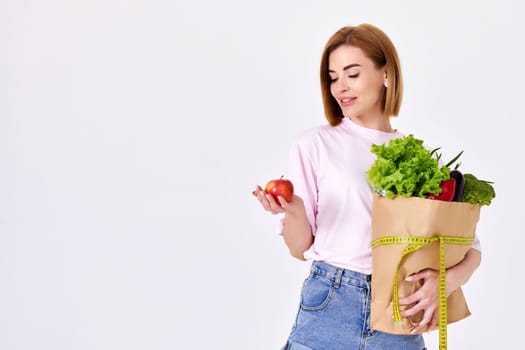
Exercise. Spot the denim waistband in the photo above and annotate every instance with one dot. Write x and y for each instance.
(339, 275)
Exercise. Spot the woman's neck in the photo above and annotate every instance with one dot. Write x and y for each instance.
(380, 123)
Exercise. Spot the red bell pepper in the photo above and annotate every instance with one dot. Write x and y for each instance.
(448, 188)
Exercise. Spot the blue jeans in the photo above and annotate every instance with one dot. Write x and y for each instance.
(334, 314)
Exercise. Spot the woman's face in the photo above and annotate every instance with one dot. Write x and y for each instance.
(356, 84)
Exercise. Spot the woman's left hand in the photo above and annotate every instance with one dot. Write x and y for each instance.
(426, 299)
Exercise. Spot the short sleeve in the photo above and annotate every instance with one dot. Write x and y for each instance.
(302, 171)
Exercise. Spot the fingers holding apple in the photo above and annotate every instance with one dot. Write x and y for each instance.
(276, 196)
(275, 206)
(267, 201)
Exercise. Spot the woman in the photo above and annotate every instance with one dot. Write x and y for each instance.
(329, 218)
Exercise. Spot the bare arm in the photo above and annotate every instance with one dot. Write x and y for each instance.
(297, 232)
(459, 274)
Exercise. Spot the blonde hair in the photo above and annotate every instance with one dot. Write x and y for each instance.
(379, 48)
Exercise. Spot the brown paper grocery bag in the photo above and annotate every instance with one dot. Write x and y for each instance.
(415, 217)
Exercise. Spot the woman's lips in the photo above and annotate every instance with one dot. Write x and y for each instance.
(347, 101)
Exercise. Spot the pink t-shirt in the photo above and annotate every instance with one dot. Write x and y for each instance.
(327, 166)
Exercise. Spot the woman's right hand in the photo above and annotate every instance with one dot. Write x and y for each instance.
(270, 204)
(297, 232)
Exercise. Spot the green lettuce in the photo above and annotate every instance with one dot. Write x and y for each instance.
(406, 168)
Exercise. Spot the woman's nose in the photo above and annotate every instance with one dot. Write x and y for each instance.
(341, 85)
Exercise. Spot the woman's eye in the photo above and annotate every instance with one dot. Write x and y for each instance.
(333, 80)
(354, 75)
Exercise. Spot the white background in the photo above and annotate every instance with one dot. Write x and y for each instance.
(133, 132)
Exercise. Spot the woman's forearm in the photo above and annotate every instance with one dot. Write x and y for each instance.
(297, 233)
(459, 274)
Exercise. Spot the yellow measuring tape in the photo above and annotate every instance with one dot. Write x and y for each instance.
(414, 244)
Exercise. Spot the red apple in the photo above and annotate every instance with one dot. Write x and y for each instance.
(280, 187)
